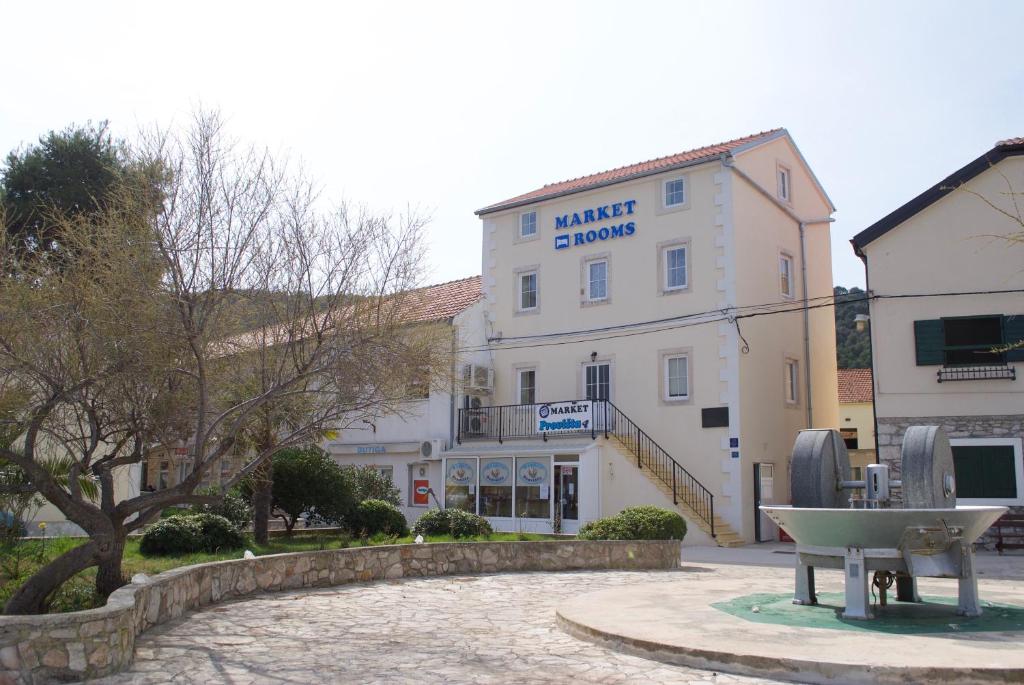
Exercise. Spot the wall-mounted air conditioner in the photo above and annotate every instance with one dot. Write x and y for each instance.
(477, 378)
(431, 449)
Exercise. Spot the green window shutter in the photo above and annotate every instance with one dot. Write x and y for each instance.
(1013, 332)
(985, 472)
(929, 339)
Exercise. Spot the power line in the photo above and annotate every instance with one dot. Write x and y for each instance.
(727, 314)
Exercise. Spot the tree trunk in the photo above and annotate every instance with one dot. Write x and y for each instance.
(30, 598)
(109, 576)
(262, 497)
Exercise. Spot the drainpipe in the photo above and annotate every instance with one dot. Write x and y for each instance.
(727, 160)
(871, 348)
(451, 395)
(807, 326)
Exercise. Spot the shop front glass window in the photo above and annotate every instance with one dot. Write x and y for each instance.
(460, 485)
(496, 487)
(533, 487)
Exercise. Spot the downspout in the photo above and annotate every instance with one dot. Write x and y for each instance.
(807, 326)
(727, 160)
(451, 395)
(871, 347)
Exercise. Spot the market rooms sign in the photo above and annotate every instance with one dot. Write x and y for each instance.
(609, 222)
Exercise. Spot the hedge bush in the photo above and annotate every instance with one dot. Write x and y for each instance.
(454, 522)
(190, 533)
(375, 516)
(637, 523)
(234, 507)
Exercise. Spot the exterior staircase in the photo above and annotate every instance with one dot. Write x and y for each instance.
(723, 534)
(695, 502)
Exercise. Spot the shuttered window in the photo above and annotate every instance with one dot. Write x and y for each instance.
(968, 340)
(985, 471)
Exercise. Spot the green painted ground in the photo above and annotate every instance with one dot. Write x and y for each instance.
(934, 615)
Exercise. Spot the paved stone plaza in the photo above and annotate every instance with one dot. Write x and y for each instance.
(461, 629)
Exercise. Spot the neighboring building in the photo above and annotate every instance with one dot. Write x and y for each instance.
(948, 299)
(857, 418)
(408, 444)
(620, 289)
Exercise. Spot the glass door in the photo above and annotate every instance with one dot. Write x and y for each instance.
(567, 496)
(597, 385)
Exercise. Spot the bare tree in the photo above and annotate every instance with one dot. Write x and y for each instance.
(232, 317)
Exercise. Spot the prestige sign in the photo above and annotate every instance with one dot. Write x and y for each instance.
(564, 417)
(616, 227)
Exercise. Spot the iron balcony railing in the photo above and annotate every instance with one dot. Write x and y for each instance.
(518, 421)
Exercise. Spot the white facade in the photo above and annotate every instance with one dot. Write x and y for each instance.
(626, 286)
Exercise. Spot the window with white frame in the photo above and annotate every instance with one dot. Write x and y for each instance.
(784, 183)
(527, 382)
(786, 275)
(674, 259)
(527, 224)
(597, 280)
(792, 381)
(677, 378)
(674, 192)
(988, 471)
(527, 290)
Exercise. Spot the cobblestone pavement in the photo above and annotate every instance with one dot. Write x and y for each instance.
(458, 629)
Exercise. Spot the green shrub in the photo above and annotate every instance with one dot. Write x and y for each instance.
(637, 523)
(217, 533)
(462, 524)
(190, 533)
(234, 507)
(172, 536)
(375, 516)
(454, 522)
(433, 522)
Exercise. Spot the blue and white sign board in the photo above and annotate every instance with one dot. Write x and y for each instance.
(533, 473)
(461, 472)
(496, 472)
(564, 417)
(597, 224)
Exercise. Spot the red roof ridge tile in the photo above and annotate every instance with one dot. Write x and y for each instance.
(579, 183)
(1010, 141)
(855, 386)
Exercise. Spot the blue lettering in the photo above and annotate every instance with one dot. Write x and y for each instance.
(591, 236)
(630, 228)
(588, 216)
(602, 213)
(575, 220)
(617, 231)
(562, 221)
(577, 238)
(603, 234)
(630, 204)
(617, 209)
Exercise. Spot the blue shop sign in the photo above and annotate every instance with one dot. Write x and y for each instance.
(614, 229)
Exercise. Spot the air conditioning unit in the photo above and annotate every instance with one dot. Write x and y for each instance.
(478, 378)
(431, 449)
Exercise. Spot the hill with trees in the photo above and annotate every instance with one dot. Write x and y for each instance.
(853, 347)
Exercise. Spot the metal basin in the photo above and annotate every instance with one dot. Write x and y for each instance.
(876, 528)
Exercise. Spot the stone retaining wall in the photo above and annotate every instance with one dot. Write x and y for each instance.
(84, 644)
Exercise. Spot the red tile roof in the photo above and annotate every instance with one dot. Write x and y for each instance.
(624, 173)
(854, 385)
(1010, 141)
(442, 301)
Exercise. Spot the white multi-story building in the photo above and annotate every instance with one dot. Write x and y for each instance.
(654, 341)
(407, 444)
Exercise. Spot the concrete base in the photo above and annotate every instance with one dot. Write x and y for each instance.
(674, 622)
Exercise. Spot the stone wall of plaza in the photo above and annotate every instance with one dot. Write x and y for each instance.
(62, 647)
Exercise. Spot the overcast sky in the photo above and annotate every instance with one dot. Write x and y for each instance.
(450, 106)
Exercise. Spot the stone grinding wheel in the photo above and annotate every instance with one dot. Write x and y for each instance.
(927, 470)
(820, 463)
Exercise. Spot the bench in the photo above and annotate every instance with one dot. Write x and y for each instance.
(1009, 532)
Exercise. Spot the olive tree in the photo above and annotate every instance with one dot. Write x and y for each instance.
(228, 307)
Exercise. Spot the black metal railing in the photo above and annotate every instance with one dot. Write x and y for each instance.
(976, 373)
(518, 421)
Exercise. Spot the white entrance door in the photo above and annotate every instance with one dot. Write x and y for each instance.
(567, 496)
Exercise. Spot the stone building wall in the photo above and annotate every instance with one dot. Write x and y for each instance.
(891, 430)
(87, 644)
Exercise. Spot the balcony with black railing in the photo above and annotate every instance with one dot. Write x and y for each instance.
(540, 421)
